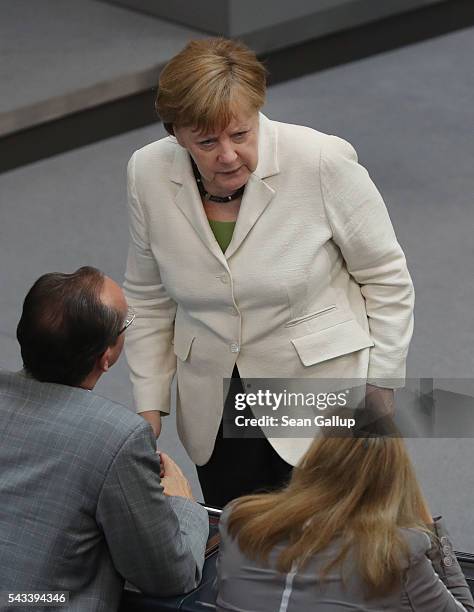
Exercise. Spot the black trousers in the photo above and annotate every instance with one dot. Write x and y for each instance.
(239, 466)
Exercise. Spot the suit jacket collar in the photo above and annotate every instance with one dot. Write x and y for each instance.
(256, 198)
(267, 149)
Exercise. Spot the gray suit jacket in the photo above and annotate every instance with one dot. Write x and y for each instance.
(81, 505)
(433, 581)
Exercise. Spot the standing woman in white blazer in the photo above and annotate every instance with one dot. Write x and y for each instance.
(257, 248)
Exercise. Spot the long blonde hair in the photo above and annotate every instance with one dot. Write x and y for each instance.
(362, 489)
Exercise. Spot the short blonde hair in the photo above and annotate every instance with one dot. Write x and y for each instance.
(204, 85)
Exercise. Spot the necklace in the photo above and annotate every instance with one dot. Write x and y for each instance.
(212, 198)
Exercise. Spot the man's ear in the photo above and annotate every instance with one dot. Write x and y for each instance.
(103, 362)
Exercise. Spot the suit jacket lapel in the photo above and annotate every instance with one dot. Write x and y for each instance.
(189, 202)
(258, 194)
(256, 198)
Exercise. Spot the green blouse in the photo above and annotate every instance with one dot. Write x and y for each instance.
(223, 231)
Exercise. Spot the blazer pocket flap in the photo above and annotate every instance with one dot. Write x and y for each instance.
(340, 339)
(182, 342)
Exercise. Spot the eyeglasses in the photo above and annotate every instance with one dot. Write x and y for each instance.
(131, 314)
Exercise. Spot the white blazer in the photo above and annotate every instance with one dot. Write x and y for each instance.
(313, 284)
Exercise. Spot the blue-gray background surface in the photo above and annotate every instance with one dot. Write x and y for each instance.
(408, 113)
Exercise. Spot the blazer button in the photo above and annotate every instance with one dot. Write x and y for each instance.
(444, 540)
(224, 279)
(233, 311)
(447, 561)
(234, 347)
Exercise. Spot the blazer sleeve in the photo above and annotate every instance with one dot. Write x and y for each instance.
(364, 234)
(156, 542)
(148, 344)
(434, 581)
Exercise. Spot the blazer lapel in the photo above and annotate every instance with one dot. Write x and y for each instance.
(256, 198)
(258, 194)
(189, 202)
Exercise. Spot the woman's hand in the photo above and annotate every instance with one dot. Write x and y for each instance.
(154, 418)
(380, 400)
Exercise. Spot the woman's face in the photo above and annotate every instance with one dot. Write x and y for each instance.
(225, 159)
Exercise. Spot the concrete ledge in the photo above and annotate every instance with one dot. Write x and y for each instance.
(339, 16)
(61, 57)
(273, 24)
(76, 101)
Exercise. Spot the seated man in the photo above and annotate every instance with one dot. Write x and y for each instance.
(82, 507)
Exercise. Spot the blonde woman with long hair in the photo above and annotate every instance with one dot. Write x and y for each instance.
(351, 531)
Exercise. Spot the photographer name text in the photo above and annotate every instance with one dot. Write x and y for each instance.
(286, 421)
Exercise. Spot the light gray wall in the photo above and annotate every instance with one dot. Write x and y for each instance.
(272, 24)
(59, 58)
(249, 16)
(208, 15)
